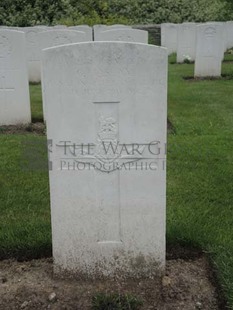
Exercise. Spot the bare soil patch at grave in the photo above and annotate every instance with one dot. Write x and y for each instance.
(35, 128)
(28, 285)
(40, 128)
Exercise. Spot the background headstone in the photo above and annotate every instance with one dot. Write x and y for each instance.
(14, 89)
(209, 50)
(169, 37)
(186, 42)
(103, 221)
(118, 26)
(122, 34)
(54, 37)
(60, 27)
(229, 29)
(98, 28)
(224, 40)
(84, 28)
(58, 37)
(33, 53)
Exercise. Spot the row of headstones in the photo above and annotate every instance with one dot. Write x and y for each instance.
(103, 222)
(41, 37)
(203, 44)
(21, 54)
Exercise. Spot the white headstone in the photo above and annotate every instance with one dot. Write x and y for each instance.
(186, 42)
(224, 39)
(33, 53)
(58, 37)
(42, 27)
(118, 26)
(169, 37)
(209, 51)
(229, 29)
(14, 89)
(60, 27)
(84, 28)
(98, 28)
(108, 101)
(122, 34)
(13, 28)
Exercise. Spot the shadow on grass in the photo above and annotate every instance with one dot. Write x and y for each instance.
(170, 127)
(37, 119)
(26, 254)
(209, 78)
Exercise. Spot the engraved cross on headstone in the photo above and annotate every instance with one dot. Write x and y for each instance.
(108, 184)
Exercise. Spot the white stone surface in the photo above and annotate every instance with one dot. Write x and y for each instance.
(33, 53)
(84, 28)
(107, 220)
(98, 28)
(209, 51)
(117, 26)
(186, 41)
(14, 89)
(169, 37)
(60, 27)
(41, 26)
(229, 29)
(224, 39)
(58, 37)
(124, 35)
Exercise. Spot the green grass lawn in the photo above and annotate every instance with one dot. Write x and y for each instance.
(200, 168)
(199, 182)
(24, 199)
(36, 103)
(229, 56)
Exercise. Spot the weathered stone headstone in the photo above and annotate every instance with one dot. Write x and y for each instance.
(123, 34)
(118, 26)
(84, 28)
(186, 42)
(98, 28)
(60, 27)
(53, 38)
(106, 118)
(224, 39)
(42, 26)
(229, 30)
(209, 50)
(169, 37)
(59, 37)
(14, 89)
(33, 53)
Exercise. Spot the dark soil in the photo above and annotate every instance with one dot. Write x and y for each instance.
(35, 128)
(39, 128)
(186, 285)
